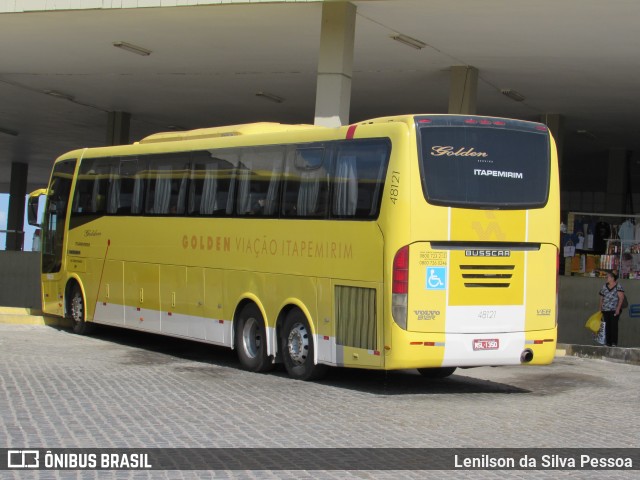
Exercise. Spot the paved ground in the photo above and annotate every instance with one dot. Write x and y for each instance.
(126, 389)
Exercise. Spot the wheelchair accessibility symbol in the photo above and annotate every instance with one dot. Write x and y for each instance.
(436, 278)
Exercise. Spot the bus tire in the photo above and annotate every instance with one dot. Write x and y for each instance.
(298, 348)
(77, 313)
(251, 340)
(441, 372)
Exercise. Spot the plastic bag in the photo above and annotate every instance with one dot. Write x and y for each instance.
(594, 321)
(601, 337)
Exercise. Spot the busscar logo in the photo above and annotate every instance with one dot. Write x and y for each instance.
(487, 253)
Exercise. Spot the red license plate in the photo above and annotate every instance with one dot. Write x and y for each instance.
(486, 344)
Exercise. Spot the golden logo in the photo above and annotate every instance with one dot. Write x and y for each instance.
(449, 151)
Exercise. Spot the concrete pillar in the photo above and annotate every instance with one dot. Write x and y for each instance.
(464, 90)
(17, 194)
(335, 64)
(118, 124)
(616, 180)
(555, 122)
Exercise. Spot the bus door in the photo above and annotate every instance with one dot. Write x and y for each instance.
(53, 236)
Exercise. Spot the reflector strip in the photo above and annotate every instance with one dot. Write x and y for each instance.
(428, 344)
(351, 131)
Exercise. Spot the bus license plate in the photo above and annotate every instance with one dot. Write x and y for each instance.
(486, 344)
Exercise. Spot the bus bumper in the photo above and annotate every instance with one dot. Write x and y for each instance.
(424, 350)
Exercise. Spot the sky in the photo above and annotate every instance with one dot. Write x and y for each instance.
(28, 229)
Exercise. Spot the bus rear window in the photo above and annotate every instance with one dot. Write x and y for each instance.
(501, 165)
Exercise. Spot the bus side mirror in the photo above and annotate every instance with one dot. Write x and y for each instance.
(32, 206)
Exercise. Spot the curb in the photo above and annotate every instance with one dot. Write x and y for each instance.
(30, 316)
(614, 354)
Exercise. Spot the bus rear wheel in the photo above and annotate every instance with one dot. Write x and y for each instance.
(298, 348)
(77, 313)
(251, 340)
(441, 372)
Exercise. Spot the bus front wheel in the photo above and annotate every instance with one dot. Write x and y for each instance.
(251, 340)
(441, 372)
(77, 313)
(298, 348)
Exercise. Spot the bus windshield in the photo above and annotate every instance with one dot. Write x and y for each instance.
(480, 162)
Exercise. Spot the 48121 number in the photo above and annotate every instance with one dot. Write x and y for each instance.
(394, 187)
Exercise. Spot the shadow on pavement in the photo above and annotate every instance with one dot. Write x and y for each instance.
(153, 349)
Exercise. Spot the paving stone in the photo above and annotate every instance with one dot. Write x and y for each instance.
(123, 389)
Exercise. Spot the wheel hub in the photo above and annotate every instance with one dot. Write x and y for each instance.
(251, 338)
(298, 344)
(76, 309)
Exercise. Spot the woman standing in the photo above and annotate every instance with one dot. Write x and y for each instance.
(611, 297)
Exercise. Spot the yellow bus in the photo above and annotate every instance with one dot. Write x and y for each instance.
(424, 242)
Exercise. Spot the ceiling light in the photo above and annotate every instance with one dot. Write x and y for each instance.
(132, 48)
(63, 96)
(6, 131)
(512, 94)
(412, 42)
(587, 134)
(270, 96)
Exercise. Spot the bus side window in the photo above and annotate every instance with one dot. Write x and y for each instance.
(345, 186)
(258, 181)
(126, 194)
(358, 181)
(93, 186)
(82, 195)
(307, 185)
(106, 174)
(166, 184)
(272, 197)
(211, 184)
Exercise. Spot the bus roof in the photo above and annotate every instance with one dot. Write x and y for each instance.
(226, 131)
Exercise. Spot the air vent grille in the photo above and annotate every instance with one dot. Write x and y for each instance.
(487, 276)
(356, 317)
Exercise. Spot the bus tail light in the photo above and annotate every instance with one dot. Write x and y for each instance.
(400, 287)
